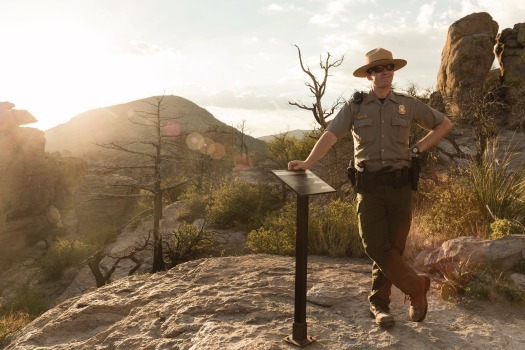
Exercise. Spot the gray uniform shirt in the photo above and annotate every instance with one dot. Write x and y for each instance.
(381, 131)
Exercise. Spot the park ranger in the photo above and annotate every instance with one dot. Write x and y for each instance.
(384, 177)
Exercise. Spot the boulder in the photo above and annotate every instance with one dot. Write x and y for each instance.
(11, 118)
(510, 50)
(34, 186)
(466, 58)
(471, 252)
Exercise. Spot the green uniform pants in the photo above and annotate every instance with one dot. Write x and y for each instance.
(384, 222)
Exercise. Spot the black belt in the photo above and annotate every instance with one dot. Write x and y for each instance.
(396, 178)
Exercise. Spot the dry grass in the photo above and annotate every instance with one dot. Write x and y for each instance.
(10, 323)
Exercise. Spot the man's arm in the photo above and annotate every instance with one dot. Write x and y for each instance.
(435, 135)
(321, 147)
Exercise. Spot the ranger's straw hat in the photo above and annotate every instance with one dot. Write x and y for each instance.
(378, 57)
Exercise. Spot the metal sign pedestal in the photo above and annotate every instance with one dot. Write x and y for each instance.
(304, 184)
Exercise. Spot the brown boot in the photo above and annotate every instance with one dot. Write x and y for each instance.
(418, 300)
(382, 316)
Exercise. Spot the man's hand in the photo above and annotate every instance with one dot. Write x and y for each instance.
(297, 165)
(325, 142)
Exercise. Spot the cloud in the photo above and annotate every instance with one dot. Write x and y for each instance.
(140, 48)
(243, 100)
(284, 8)
(426, 12)
(264, 122)
(332, 14)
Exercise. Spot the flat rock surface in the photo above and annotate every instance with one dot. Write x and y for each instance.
(247, 302)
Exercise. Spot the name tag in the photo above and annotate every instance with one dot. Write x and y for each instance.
(363, 116)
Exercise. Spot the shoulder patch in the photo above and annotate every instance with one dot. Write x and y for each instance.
(358, 97)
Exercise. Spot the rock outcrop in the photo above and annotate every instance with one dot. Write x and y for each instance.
(247, 302)
(466, 59)
(460, 147)
(32, 182)
(510, 50)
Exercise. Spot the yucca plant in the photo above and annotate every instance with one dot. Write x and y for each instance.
(498, 187)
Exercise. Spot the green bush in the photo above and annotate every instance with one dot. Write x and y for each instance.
(237, 202)
(446, 211)
(26, 300)
(196, 202)
(499, 191)
(504, 227)
(334, 230)
(18, 311)
(63, 254)
(277, 235)
(100, 236)
(188, 242)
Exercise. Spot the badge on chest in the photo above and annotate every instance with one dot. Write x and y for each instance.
(402, 109)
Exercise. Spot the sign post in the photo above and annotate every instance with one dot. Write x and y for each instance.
(304, 184)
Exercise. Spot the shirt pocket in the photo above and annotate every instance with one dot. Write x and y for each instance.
(401, 128)
(363, 130)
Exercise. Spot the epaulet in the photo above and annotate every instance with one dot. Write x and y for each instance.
(402, 94)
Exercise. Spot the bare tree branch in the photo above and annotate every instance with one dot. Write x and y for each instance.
(318, 89)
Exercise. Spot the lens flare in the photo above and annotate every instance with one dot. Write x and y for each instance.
(172, 129)
(216, 151)
(195, 141)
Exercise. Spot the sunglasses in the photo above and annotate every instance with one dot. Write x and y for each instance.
(378, 69)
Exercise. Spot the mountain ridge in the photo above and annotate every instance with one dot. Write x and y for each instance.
(80, 135)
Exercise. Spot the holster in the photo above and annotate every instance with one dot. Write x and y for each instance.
(415, 170)
(352, 173)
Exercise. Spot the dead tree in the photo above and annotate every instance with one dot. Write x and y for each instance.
(331, 166)
(103, 276)
(318, 88)
(148, 159)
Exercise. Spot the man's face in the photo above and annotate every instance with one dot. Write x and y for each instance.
(381, 79)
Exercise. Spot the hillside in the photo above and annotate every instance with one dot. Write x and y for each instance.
(80, 135)
(298, 134)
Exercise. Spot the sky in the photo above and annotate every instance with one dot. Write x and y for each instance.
(235, 58)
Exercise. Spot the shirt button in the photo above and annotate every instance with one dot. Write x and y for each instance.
(382, 150)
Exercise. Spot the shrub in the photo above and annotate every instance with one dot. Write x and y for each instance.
(17, 312)
(333, 230)
(28, 301)
(101, 235)
(445, 211)
(63, 254)
(232, 202)
(484, 282)
(504, 227)
(10, 323)
(277, 235)
(188, 242)
(499, 191)
(196, 202)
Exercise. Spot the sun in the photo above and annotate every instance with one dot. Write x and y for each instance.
(51, 66)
